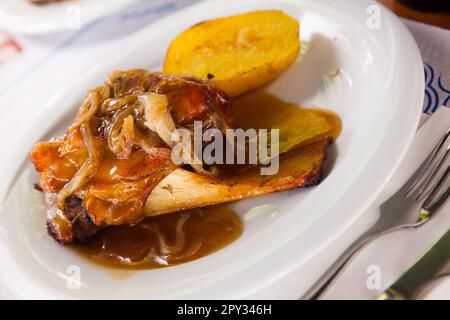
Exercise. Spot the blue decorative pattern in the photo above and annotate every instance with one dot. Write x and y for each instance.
(432, 97)
(443, 89)
(436, 94)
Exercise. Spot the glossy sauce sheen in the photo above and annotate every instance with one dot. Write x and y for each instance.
(153, 243)
(208, 229)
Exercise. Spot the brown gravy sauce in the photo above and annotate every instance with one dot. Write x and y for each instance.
(164, 240)
(173, 239)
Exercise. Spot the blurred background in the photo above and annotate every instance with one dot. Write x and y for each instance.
(435, 12)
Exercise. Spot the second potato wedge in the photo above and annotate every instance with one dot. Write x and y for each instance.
(239, 53)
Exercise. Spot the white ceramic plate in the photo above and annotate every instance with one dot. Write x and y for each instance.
(22, 17)
(378, 93)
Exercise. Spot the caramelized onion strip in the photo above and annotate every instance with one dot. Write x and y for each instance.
(146, 142)
(121, 135)
(88, 109)
(180, 238)
(167, 251)
(157, 116)
(85, 172)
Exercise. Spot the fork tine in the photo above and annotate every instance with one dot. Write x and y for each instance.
(424, 178)
(432, 175)
(431, 206)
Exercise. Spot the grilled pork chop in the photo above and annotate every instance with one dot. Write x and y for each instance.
(101, 171)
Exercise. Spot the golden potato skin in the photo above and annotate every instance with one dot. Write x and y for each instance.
(239, 53)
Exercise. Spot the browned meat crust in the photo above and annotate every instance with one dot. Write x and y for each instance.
(301, 168)
(116, 186)
(83, 226)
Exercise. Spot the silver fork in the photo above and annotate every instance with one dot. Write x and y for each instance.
(410, 207)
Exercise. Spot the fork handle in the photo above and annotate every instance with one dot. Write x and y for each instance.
(330, 276)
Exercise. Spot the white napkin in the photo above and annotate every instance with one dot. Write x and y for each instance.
(434, 44)
(393, 254)
(33, 62)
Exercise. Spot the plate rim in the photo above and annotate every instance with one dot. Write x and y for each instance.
(22, 27)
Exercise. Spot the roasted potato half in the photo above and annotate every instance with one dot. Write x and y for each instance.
(239, 53)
